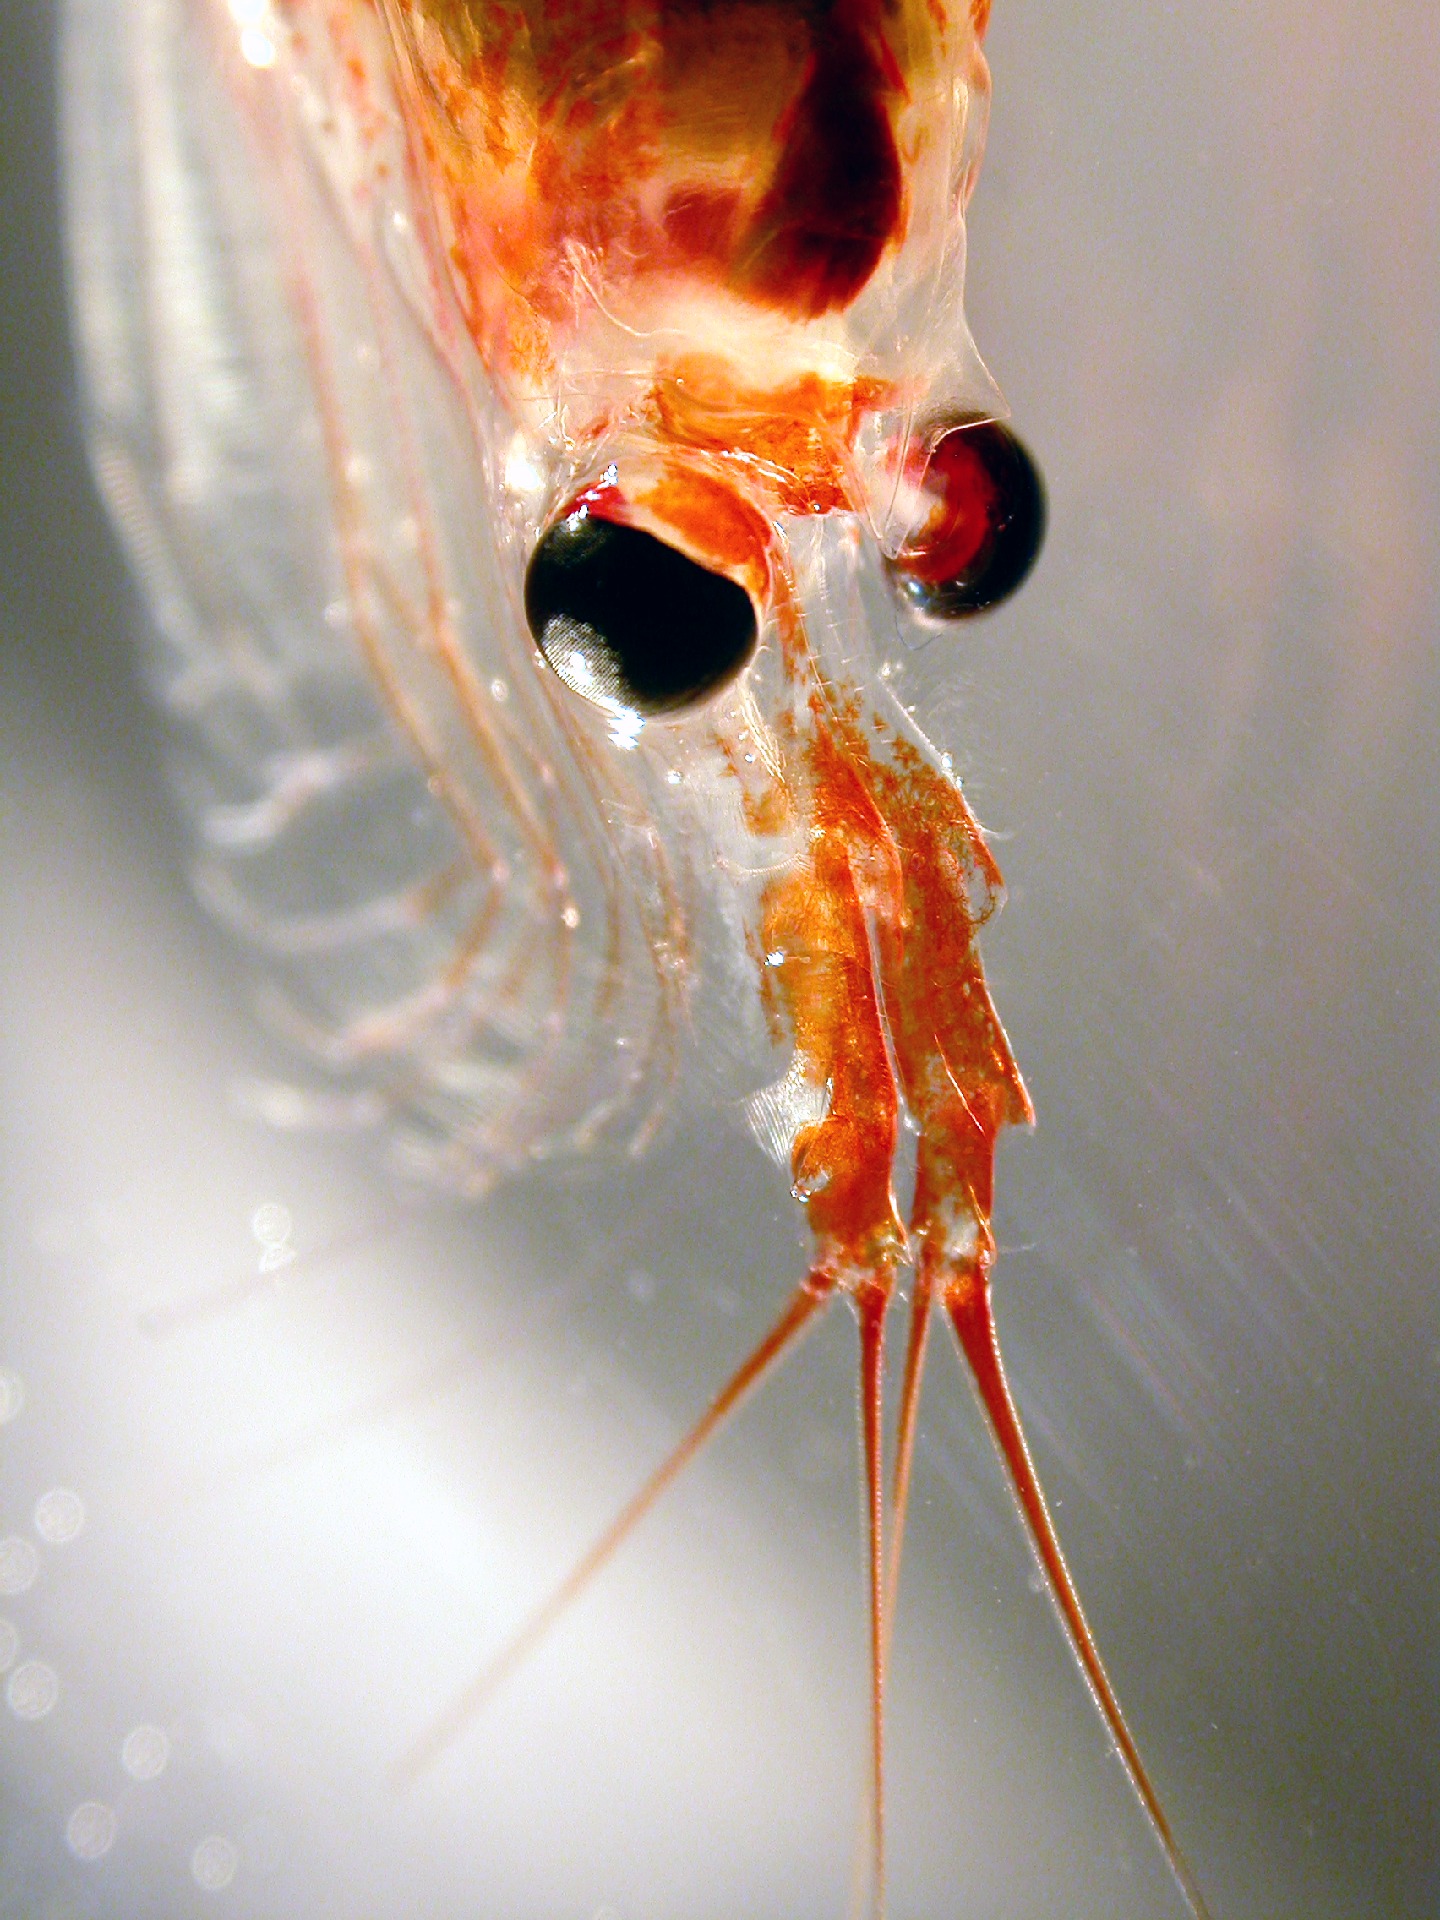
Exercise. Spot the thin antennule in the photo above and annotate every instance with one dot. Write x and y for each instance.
(814, 1292)
(922, 1301)
(872, 1299)
(883, 1613)
(965, 1295)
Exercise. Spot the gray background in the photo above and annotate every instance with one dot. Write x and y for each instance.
(1204, 264)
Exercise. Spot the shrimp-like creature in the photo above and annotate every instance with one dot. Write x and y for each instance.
(521, 412)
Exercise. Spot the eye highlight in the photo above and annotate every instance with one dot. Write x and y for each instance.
(626, 620)
(985, 528)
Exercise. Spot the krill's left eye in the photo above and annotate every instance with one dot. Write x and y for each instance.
(985, 526)
(627, 621)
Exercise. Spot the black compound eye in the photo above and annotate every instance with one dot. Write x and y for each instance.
(985, 527)
(627, 621)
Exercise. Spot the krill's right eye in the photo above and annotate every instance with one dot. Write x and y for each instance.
(985, 526)
(628, 621)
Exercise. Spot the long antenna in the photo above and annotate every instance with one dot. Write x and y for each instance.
(871, 1300)
(921, 1305)
(965, 1296)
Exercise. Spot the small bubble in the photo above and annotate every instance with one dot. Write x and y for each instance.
(499, 692)
(571, 917)
(145, 1753)
(9, 1644)
(59, 1516)
(19, 1564)
(214, 1863)
(271, 1223)
(12, 1395)
(32, 1690)
(90, 1831)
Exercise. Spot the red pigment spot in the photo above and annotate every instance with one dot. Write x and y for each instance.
(605, 501)
(964, 517)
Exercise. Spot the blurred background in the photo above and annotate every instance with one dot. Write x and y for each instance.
(259, 1516)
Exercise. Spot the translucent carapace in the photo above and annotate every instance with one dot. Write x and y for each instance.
(535, 424)
(729, 218)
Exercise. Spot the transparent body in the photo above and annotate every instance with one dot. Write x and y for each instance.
(360, 319)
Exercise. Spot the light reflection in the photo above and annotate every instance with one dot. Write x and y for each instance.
(145, 1753)
(257, 47)
(19, 1564)
(214, 1863)
(90, 1831)
(521, 474)
(271, 1225)
(32, 1690)
(12, 1394)
(59, 1516)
